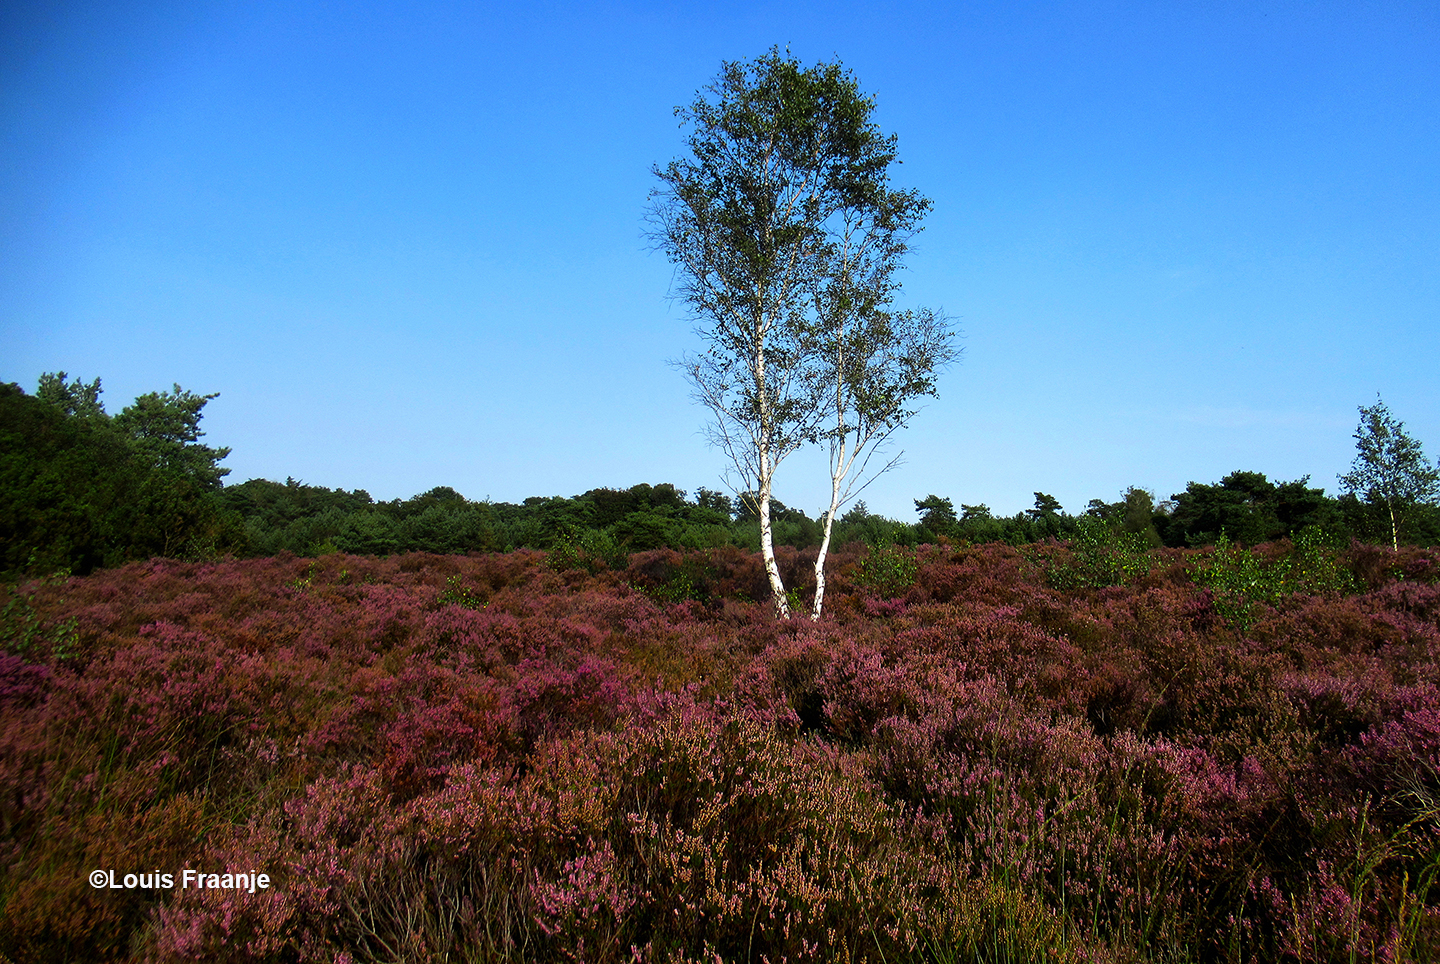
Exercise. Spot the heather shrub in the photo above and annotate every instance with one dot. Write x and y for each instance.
(693, 838)
(22, 684)
(483, 758)
(54, 914)
(668, 576)
(729, 573)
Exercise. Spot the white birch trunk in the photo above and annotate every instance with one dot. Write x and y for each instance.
(767, 552)
(766, 479)
(825, 547)
(838, 470)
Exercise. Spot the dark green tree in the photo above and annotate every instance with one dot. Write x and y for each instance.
(715, 501)
(66, 485)
(1137, 516)
(72, 398)
(1104, 511)
(165, 427)
(1241, 506)
(936, 514)
(1247, 508)
(80, 490)
(1045, 505)
(1298, 506)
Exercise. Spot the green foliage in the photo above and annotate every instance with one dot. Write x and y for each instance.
(859, 524)
(1100, 555)
(646, 529)
(302, 584)
(74, 398)
(786, 236)
(1045, 505)
(936, 514)
(717, 502)
(1246, 506)
(274, 504)
(692, 578)
(1136, 515)
(457, 594)
(79, 490)
(25, 634)
(612, 505)
(306, 520)
(588, 550)
(164, 428)
(887, 570)
(1314, 564)
(1390, 470)
(1241, 580)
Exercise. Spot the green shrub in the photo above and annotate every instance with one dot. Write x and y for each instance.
(23, 632)
(456, 594)
(1100, 556)
(588, 550)
(887, 571)
(1241, 580)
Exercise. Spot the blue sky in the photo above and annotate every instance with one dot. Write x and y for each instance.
(404, 241)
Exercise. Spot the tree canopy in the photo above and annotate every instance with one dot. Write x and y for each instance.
(80, 490)
(786, 235)
(1390, 471)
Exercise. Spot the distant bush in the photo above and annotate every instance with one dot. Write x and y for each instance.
(1240, 579)
(1100, 555)
(588, 550)
(886, 570)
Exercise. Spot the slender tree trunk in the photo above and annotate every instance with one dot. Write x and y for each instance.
(766, 480)
(1394, 529)
(767, 545)
(838, 470)
(825, 547)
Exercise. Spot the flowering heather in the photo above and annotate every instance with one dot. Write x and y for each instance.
(506, 758)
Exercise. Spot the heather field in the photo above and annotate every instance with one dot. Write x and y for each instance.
(1067, 752)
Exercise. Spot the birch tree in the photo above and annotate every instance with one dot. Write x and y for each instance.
(786, 236)
(774, 152)
(879, 363)
(1390, 469)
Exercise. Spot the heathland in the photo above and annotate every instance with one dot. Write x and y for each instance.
(1082, 750)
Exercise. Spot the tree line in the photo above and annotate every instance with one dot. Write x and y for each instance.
(787, 238)
(81, 490)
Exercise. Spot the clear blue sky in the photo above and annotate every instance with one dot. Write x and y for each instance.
(404, 241)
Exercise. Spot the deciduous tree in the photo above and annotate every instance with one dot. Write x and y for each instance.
(786, 236)
(1390, 470)
(874, 362)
